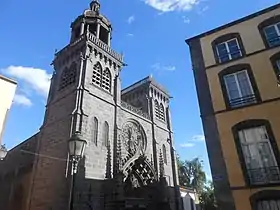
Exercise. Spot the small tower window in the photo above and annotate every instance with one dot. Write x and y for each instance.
(95, 131)
(93, 28)
(164, 154)
(105, 140)
(103, 36)
(106, 80)
(161, 112)
(156, 109)
(68, 76)
(96, 77)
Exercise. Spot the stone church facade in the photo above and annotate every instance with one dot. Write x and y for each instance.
(129, 160)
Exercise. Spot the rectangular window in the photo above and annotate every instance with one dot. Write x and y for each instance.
(228, 50)
(239, 89)
(272, 34)
(259, 157)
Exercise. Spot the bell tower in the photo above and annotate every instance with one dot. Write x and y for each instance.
(94, 23)
(85, 96)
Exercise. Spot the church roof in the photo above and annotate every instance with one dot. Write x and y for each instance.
(149, 80)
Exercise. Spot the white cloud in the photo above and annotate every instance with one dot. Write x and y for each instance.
(198, 138)
(160, 67)
(131, 19)
(172, 5)
(129, 34)
(192, 142)
(32, 78)
(20, 99)
(187, 145)
(186, 20)
(204, 9)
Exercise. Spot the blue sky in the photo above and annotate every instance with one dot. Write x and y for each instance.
(150, 34)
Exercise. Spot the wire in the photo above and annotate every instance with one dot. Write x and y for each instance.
(40, 155)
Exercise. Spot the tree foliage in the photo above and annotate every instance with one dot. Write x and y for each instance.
(207, 198)
(191, 175)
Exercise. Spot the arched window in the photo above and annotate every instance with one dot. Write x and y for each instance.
(97, 72)
(105, 140)
(68, 76)
(106, 80)
(266, 200)
(164, 154)
(258, 151)
(156, 109)
(270, 31)
(161, 112)
(275, 61)
(228, 47)
(95, 131)
(239, 86)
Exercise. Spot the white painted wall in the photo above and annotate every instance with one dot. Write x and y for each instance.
(7, 92)
(189, 200)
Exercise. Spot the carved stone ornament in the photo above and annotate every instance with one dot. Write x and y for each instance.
(133, 138)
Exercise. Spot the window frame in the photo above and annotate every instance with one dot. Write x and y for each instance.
(109, 78)
(156, 109)
(70, 74)
(161, 112)
(253, 123)
(270, 21)
(164, 154)
(105, 137)
(234, 69)
(228, 50)
(226, 38)
(263, 195)
(101, 77)
(273, 59)
(95, 131)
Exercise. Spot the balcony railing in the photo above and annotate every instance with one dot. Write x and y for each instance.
(135, 110)
(237, 102)
(268, 175)
(275, 41)
(105, 47)
(230, 55)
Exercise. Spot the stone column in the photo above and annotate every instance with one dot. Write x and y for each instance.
(98, 30)
(109, 38)
(82, 28)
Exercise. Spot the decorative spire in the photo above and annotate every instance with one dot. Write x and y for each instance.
(108, 164)
(95, 6)
(161, 165)
(119, 155)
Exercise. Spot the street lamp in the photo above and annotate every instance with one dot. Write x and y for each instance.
(3, 152)
(76, 147)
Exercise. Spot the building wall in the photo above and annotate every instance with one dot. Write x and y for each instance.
(206, 70)
(16, 175)
(248, 31)
(7, 92)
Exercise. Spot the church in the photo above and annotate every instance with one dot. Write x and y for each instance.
(129, 160)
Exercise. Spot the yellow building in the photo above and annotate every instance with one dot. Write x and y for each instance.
(236, 69)
(7, 92)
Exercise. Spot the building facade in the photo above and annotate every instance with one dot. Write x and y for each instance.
(7, 92)
(129, 160)
(236, 69)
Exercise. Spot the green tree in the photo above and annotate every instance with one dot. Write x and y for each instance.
(191, 174)
(207, 198)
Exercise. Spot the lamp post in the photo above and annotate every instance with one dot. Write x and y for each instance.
(3, 152)
(76, 147)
